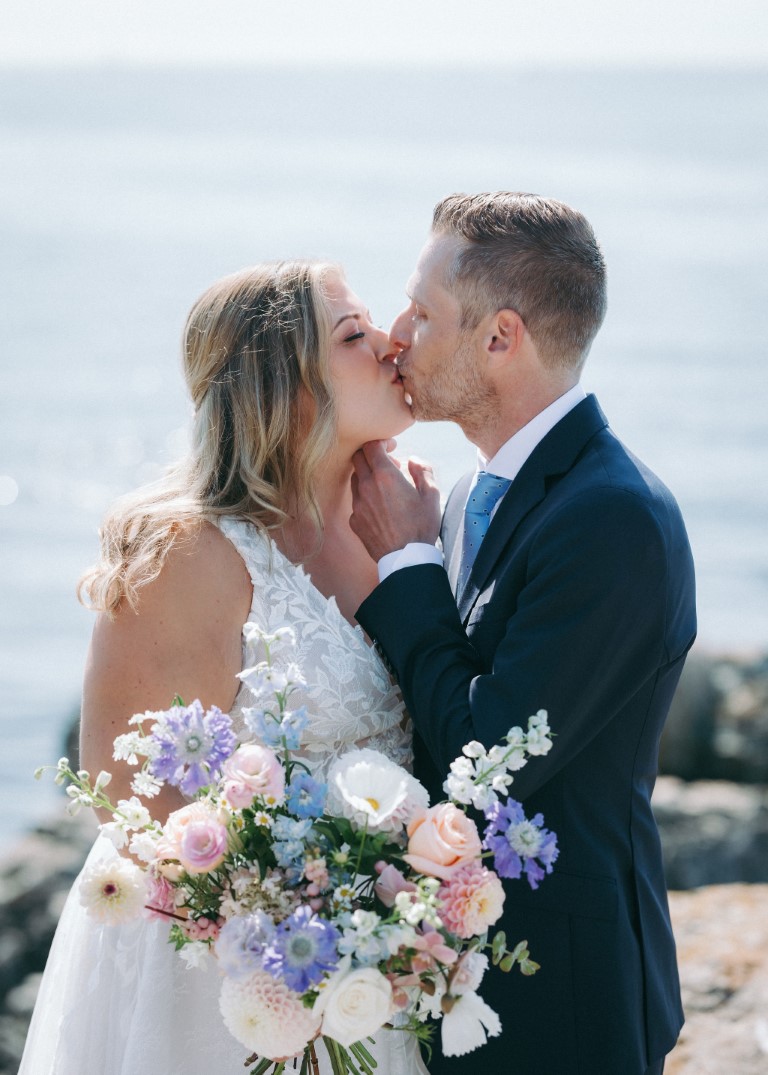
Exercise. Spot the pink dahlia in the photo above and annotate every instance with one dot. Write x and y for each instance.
(472, 900)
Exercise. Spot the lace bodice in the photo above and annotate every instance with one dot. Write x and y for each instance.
(350, 696)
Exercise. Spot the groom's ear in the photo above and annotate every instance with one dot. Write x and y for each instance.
(504, 337)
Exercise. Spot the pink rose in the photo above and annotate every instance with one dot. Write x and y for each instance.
(389, 883)
(203, 845)
(160, 896)
(252, 771)
(441, 841)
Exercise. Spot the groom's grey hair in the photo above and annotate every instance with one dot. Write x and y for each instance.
(534, 255)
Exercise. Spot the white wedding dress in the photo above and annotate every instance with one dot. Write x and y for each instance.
(118, 1000)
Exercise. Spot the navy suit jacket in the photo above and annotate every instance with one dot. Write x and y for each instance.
(580, 602)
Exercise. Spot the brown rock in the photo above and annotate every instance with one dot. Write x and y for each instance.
(722, 939)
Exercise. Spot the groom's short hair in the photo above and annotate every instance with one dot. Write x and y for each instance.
(530, 254)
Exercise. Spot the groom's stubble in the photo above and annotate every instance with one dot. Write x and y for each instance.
(455, 390)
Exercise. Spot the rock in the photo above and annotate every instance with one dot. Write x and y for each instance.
(717, 727)
(722, 945)
(712, 832)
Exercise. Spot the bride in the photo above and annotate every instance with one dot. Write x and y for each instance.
(288, 378)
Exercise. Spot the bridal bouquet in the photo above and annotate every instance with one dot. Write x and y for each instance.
(336, 910)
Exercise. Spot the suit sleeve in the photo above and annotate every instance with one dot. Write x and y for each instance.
(587, 630)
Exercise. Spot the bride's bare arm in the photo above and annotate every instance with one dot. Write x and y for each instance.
(184, 638)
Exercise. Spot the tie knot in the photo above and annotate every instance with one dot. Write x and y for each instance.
(485, 493)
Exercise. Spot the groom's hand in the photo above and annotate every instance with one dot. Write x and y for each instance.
(388, 510)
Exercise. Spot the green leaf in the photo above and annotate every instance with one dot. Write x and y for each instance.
(528, 967)
(498, 945)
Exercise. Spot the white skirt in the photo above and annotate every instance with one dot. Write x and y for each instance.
(118, 1000)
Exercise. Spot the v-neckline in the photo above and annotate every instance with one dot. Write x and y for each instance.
(309, 585)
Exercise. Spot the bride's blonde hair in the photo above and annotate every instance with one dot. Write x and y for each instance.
(255, 353)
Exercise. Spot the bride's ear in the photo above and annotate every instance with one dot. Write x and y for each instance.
(504, 337)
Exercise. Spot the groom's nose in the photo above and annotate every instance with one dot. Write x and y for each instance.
(400, 332)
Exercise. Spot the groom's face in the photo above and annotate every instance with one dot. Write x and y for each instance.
(438, 360)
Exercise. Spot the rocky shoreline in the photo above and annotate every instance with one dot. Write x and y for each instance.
(712, 808)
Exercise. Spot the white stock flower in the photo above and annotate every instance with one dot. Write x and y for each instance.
(102, 780)
(195, 954)
(116, 833)
(354, 1004)
(369, 789)
(483, 797)
(134, 813)
(113, 891)
(459, 788)
(474, 750)
(466, 1025)
(144, 845)
(145, 784)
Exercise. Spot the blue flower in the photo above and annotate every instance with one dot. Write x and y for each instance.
(241, 943)
(519, 845)
(275, 733)
(305, 796)
(191, 745)
(289, 835)
(303, 950)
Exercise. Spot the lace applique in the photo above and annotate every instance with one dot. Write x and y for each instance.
(350, 696)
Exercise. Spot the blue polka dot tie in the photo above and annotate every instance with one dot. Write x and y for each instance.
(486, 492)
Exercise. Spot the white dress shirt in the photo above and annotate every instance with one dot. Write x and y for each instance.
(506, 463)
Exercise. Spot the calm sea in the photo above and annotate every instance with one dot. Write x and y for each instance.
(123, 193)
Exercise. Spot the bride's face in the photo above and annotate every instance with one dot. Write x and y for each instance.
(370, 398)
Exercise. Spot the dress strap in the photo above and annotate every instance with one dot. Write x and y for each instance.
(253, 545)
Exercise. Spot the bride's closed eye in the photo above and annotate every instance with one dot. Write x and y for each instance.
(354, 336)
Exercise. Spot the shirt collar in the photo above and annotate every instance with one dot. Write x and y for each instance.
(509, 460)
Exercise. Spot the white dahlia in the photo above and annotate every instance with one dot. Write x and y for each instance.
(266, 1016)
(113, 891)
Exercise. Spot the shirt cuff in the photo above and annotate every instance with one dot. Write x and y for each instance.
(414, 554)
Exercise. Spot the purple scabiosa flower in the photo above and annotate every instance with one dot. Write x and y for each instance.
(305, 796)
(192, 745)
(241, 943)
(303, 950)
(519, 845)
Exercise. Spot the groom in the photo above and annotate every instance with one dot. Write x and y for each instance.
(567, 586)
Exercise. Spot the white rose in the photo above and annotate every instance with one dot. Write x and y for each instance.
(354, 1005)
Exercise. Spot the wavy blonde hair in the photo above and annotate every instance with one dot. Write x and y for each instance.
(255, 352)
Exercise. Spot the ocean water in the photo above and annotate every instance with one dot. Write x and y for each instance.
(123, 193)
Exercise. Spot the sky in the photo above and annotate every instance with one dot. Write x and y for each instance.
(360, 32)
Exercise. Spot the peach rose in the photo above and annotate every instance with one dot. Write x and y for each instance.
(441, 841)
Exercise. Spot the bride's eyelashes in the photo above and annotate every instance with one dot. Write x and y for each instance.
(354, 336)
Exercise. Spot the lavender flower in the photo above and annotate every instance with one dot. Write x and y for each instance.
(305, 796)
(518, 843)
(303, 950)
(241, 943)
(191, 745)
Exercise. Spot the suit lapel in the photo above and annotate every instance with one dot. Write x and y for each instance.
(452, 529)
(554, 455)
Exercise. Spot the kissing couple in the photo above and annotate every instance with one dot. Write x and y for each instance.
(559, 578)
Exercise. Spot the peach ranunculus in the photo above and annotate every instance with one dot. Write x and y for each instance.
(253, 770)
(441, 841)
